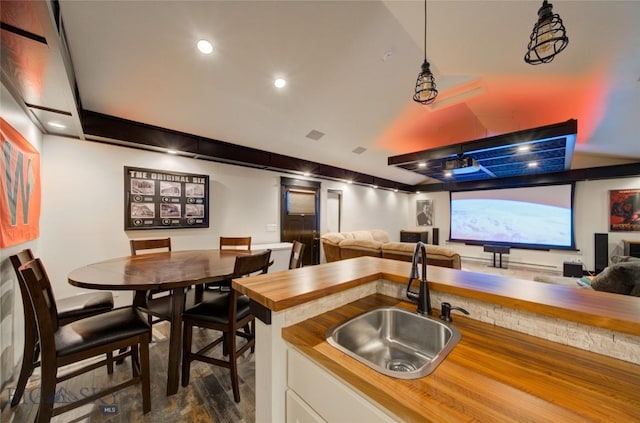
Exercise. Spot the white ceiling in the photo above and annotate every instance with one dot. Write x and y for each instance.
(351, 67)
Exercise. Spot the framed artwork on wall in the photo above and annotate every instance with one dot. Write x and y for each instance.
(158, 199)
(624, 210)
(20, 189)
(424, 213)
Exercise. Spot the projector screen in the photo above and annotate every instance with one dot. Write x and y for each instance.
(538, 217)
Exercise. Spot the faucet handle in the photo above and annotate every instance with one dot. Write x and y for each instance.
(445, 311)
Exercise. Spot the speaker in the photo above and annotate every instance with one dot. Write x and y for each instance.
(435, 236)
(601, 251)
(573, 270)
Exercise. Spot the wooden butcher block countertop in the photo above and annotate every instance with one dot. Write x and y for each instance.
(281, 290)
(492, 375)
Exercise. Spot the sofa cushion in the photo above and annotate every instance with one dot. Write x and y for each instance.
(621, 278)
(380, 235)
(622, 259)
(360, 243)
(333, 237)
(361, 235)
(399, 247)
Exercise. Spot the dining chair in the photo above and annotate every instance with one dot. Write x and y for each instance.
(160, 244)
(229, 243)
(61, 345)
(227, 312)
(68, 310)
(154, 306)
(236, 243)
(297, 250)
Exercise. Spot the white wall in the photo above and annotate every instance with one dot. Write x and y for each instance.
(368, 208)
(12, 325)
(591, 215)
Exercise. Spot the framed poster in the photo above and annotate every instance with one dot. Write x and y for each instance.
(424, 212)
(158, 199)
(624, 210)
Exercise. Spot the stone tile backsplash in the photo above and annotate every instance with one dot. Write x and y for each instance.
(601, 341)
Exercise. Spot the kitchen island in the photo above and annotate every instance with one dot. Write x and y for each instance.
(493, 374)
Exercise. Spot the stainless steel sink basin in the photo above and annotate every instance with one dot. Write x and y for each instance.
(395, 342)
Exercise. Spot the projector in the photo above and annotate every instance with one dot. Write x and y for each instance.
(462, 165)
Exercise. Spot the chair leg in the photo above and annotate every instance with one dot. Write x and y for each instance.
(121, 360)
(187, 332)
(233, 364)
(47, 393)
(29, 358)
(135, 361)
(144, 373)
(110, 363)
(253, 335)
(250, 331)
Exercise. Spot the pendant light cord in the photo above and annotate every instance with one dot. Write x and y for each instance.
(425, 30)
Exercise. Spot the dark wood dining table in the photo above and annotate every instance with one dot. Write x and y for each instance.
(174, 270)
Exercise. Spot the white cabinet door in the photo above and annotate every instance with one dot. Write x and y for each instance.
(299, 411)
(329, 397)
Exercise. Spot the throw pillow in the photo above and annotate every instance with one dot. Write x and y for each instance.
(622, 278)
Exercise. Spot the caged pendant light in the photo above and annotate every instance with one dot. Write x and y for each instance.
(548, 38)
(425, 92)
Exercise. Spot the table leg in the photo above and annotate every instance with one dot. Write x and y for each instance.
(175, 340)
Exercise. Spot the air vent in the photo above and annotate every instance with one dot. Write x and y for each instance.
(315, 135)
(359, 150)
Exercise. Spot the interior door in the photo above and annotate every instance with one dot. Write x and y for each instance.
(299, 214)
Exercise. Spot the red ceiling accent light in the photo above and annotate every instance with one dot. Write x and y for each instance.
(425, 92)
(548, 38)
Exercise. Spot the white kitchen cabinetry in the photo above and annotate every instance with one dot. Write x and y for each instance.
(319, 396)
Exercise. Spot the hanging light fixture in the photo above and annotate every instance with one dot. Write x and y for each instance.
(548, 38)
(426, 91)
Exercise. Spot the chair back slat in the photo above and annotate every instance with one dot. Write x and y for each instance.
(252, 264)
(38, 286)
(238, 243)
(17, 261)
(149, 244)
(297, 250)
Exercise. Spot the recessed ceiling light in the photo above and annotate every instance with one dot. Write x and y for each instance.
(447, 174)
(349, 181)
(56, 125)
(374, 186)
(524, 148)
(279, 83)
(172, 152)
(306, 174)
(532, 164)
(395, 190)
(422, 164)
(417, 192)
(205, 47)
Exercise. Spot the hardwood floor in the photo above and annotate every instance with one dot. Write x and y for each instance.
(208, 398)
